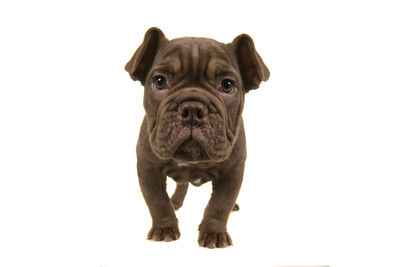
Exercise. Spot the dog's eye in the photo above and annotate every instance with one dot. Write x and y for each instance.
(227, 86)
(160, 82)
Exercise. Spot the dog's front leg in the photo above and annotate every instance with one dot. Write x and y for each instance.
(153, 186)
(213, 232)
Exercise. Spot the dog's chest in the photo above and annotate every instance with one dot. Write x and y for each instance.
(197, 175)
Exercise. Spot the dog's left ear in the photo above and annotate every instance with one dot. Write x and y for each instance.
(252, 67)
(142, 60)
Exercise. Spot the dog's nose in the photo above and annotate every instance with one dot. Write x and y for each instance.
(192, 112)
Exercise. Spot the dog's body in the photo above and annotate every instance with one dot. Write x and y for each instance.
(193, 130)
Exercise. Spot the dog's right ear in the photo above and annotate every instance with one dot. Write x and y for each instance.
(142, 60)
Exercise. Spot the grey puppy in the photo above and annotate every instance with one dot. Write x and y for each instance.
(193, 130)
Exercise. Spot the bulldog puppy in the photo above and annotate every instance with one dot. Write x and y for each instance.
(193, 131)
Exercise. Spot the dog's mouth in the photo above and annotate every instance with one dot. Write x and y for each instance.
(187, 144)
(190, 150)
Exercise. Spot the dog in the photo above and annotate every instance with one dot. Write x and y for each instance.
(194, 90)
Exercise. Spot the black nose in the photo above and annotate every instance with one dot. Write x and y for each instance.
(192, 112)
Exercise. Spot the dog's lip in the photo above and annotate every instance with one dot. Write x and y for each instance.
(196, 140)
(190, 138)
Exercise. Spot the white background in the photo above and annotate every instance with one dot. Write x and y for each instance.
(321, 181)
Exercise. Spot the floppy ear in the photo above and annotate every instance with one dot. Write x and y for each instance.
(142, 59)
(252, 68)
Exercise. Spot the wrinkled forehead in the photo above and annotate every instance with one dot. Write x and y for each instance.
(198, 57)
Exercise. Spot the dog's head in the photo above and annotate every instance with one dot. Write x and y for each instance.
(194, 93)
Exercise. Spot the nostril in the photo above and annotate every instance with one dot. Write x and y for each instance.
(199, 114)
(185, 113)
(192, 112)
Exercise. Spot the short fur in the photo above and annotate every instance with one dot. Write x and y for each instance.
(193, 131)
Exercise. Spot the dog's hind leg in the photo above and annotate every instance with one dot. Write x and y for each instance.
(179, 195)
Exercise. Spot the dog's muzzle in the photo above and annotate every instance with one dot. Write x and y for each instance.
(191, 127)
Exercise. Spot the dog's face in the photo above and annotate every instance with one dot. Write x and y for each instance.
(194, 93)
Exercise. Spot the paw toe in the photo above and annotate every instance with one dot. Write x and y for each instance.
(163, 234)
(214, 240)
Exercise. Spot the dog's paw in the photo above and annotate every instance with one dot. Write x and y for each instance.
(214, 240)
(164, 234)
(177, 203)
